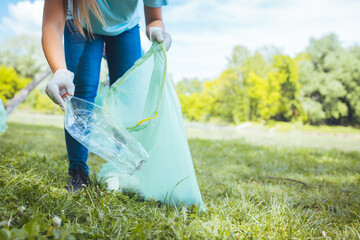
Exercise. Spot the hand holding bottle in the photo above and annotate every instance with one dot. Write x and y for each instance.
(61, 87)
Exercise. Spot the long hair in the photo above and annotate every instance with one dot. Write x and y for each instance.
(80, 13)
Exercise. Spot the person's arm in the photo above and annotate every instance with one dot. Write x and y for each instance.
(153, 18)
(52, 32)
(155, 28)
(54, 18)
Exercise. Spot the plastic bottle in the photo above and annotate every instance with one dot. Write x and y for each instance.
(103, 134)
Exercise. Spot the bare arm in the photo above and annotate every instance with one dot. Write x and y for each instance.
(155, 28)
(153, 18)
(54, 18)
(52, 32)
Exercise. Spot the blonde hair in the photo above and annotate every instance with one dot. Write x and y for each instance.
(80, 13)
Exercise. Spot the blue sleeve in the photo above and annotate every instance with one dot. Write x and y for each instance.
(155, 3)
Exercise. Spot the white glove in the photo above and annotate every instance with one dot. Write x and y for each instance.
(62, 81)
(160, 35)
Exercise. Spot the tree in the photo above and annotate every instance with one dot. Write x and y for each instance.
(286, 75)
(188, 86)
(194, 106)
(225, 96)
(258, 96)
(11, 83)
(193, 103)
(23, 93)
(24, 54)
(320, 85)
(331, 78)
(238, 58)
(348, 72)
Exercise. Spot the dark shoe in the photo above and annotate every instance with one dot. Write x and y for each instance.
(78, 180)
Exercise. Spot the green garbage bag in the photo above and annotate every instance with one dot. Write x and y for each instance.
(102, 91)
(145, 101)
(3, 117)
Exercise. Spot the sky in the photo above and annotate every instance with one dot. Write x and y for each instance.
(204, 32)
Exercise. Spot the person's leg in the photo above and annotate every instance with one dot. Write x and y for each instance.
(83, 58)
(122, 51)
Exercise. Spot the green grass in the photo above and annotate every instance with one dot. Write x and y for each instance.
(241, 202)
(57, 120)
(289, 126)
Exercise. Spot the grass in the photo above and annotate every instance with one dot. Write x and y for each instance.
(289, 126)
(241, 202)
(57, 120)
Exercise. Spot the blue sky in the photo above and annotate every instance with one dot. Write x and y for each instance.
(205, 31)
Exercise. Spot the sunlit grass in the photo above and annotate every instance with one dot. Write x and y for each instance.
(289, 126)
(242, 202)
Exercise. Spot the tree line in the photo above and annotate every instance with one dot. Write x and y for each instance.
(21, 60)
(321, 85)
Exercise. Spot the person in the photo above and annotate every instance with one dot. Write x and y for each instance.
(86, 27)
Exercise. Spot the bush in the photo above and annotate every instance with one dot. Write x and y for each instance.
(40, 102)
(11, 83)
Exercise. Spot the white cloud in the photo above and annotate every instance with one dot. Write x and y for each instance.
(25, 17)
(205, 31)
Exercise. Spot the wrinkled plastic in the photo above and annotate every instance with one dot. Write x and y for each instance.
(3, 117)
(103, 134)
(145, 101)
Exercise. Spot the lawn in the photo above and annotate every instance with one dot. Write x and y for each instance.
(242, 201)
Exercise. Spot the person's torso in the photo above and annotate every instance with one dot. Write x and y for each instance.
(119, 16)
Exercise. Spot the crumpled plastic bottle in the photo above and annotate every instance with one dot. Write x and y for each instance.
(103, 134)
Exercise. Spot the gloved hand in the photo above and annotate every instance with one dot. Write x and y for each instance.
(62, 81)
(160, 35)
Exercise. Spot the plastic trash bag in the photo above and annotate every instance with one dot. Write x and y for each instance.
(3, 117)
(102, 91)
(103, 134)
(145, 101)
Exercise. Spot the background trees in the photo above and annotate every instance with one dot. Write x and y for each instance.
(11, 83)
(320, 85)
(23, 67)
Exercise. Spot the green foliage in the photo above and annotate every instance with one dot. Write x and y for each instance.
(321, 85)
(224, 93)
(286, 73)
(193, 103)
(11, 83)
(194, 106)
(331, 82)
(39, 102)
(24, 54)
(241, 201)
(252, 91)
(265, 95)
(21, 58)
(189, 86)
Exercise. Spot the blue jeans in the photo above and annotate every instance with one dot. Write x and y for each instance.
(83, 57)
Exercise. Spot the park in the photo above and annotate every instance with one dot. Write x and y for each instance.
(274, 137)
